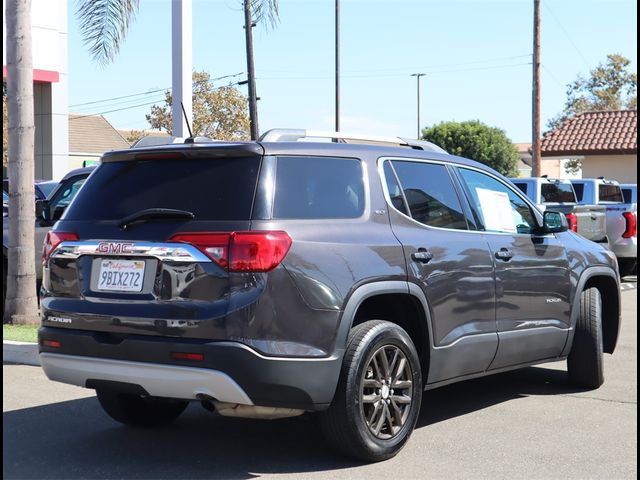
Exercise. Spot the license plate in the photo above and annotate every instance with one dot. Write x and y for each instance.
(121, 275)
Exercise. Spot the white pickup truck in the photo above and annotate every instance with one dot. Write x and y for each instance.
(558, 195)
(622, 218)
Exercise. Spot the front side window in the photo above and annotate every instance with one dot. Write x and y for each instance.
(430, 194)
(318, 187)
(499, 208)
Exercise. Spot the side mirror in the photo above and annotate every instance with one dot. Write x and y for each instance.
(43, 212)
(554, 222)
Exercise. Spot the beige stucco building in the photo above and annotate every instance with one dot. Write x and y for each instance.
(605, 142)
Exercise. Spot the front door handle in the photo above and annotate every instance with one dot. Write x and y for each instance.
(504, 254)
(422, 256)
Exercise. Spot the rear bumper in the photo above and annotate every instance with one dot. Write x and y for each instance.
(230, 372)
(625, 247)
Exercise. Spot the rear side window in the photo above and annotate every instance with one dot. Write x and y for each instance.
(210, 188)
(610, 193)
(430, 194)
(318, 187)
(557, 193)
(628, 195)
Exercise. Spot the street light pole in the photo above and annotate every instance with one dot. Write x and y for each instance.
(418, 75)
(337, 65)
(253, 104)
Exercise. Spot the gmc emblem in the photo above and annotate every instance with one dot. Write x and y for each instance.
(113, 247)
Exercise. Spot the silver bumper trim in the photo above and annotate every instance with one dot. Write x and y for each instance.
(157, 379)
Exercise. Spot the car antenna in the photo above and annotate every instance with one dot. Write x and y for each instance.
(190, 139)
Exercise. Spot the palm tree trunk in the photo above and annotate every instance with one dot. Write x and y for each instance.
(21, 303)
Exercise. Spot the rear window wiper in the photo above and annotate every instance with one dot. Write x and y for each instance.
(153, 214)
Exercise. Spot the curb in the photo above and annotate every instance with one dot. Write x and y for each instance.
(20, 352)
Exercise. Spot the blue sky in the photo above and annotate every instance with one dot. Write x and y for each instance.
(476, 55)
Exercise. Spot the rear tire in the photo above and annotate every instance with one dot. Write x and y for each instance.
(138, 410)
(585, 360)
(377, 401)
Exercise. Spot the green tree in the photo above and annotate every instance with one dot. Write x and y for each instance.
(609, 86)
(218, 112)
(477, 141)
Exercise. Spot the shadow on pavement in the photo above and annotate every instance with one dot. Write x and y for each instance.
(75, 439)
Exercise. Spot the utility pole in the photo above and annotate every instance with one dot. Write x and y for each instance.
(181, 67)
(251, 73)
(418, 75)
(535, 141)
(337, 65)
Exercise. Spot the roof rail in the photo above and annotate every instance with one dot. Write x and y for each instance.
(294, 135)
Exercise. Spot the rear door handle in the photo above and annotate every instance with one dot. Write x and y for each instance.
(504, 254)
(422, 256)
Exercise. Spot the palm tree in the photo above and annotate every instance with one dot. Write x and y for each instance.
(21, 306)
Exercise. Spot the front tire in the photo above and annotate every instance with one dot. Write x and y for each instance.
(585, 363)
(377, 401)
(138, 410)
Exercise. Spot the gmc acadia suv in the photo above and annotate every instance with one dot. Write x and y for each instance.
(278, 277)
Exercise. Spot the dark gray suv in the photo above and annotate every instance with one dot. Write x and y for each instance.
(274, 278)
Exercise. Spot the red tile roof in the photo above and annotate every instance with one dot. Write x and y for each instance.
(594, 133)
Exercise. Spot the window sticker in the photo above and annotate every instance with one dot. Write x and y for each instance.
(496, 210)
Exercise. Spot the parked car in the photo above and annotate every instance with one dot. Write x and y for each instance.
(558, 195)
(622, 218)
(630, 194)
(42, 188)
(48, 211)
(267, 279)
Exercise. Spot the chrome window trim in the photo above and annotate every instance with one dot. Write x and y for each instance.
(175, 252)
(387, 197)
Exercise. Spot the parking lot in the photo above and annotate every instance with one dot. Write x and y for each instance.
(523, 424)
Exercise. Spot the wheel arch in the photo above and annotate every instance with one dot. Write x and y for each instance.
(607, 282)
(398, 302)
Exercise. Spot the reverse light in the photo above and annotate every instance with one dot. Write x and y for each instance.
(254, 251)
(52, 240)
(572, 219)
(631, 229)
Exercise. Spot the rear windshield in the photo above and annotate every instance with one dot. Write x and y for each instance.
(318, 187)
(610, 193)
(212, 189)
(557, 193)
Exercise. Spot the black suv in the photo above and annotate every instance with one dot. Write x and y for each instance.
(273, 278)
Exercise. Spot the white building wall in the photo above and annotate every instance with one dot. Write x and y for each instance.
(51, 104)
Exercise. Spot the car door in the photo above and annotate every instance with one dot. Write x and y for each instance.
(532, 275)
(448, 261)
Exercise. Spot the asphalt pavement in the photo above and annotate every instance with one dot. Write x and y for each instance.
(522, 424)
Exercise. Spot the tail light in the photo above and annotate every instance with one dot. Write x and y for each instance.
(573, 222)
(631, 229)
(52, 241)
(257, 251)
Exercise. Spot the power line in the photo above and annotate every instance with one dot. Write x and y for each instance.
(406, 69)
(432, 72)
(553, 15)
(149, 92)
(139, 105)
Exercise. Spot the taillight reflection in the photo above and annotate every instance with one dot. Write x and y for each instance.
(631, 229)
(573, 222)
